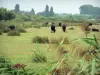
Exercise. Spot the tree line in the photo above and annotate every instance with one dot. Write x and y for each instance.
(32, 12)
(48, 11)
(89, 10)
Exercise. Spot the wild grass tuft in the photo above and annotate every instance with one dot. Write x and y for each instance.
(38, 39)
(13, 33)
(38, 56)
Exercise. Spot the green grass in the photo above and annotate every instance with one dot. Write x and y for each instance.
(19, 48)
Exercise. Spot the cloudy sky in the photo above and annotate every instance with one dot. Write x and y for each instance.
(60, 6)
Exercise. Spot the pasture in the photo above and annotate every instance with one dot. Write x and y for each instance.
(20, 49)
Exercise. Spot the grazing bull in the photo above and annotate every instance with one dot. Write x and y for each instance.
(95, 30)
(90, 24)
(60, 24)
(64, 28)
(12, 27)
(53, 28)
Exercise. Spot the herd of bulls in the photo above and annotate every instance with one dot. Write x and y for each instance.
(60, 24)
(64, 27)
(53, 28)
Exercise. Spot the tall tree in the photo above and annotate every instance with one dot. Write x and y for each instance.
(47, 10)
(89, 10)
(6, 15)
(32, 11)
(17, 8)
(51, 11)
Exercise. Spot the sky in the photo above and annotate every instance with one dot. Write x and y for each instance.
(59, 6)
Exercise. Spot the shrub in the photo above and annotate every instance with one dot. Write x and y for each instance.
(3, 25)
(5, 65)
(13, 33)
(5, 30)
(21, 30)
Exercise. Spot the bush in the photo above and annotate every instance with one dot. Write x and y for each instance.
(13, 33)
(21, 30)
(5, 65)
(38, 39)
(5, 30)
(0, 32)
(3, 25)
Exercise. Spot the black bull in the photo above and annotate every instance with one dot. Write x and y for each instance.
(12, 27)
(64, 28)
(53, 28)
(95, 30)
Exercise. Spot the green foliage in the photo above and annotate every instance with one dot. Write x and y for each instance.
(7, 68)
(38, 56)
(26, 18)
(94, 67)
(5, 30)
(5, 65)
(4, 27)
(6, 14)
(13, 33)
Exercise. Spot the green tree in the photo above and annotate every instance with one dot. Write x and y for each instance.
(17, 8)
(6, 15)
(47, 10)
(51, 11)
(86, 9)
(2, 13)
(32, 11)
(89, 10)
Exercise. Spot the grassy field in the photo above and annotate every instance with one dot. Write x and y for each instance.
(19, 49)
